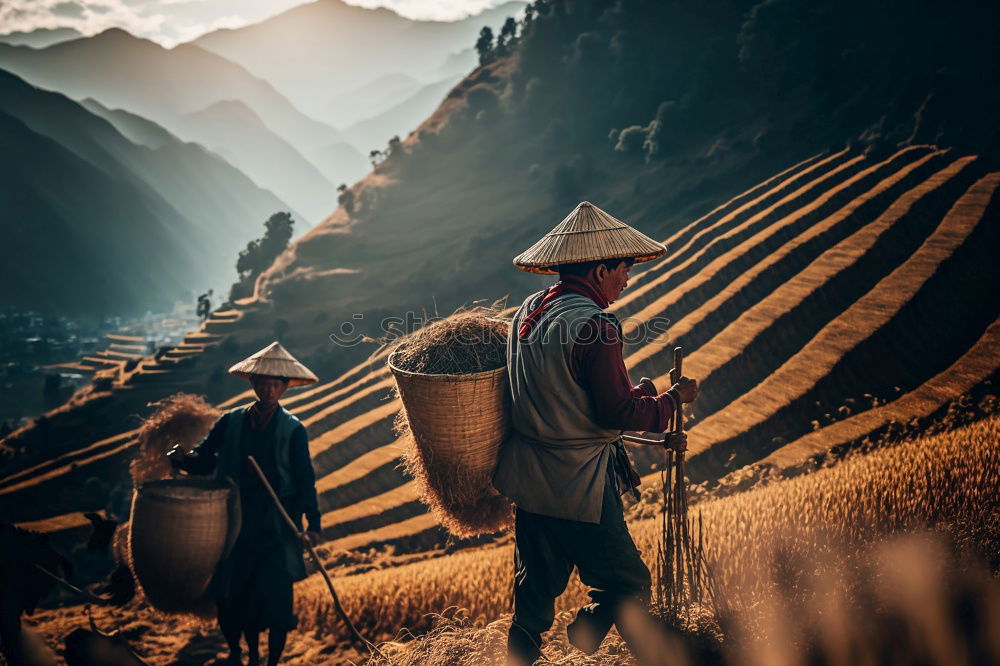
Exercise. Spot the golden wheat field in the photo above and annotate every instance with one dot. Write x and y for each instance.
(906, 600)
(946, 481)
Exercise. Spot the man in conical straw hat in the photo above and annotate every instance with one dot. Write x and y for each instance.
(564, 465)
(253, 585)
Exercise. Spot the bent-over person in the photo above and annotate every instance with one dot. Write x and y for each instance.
(252, 586)
(564, 464)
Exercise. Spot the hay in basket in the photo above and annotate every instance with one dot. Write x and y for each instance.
(452, 379)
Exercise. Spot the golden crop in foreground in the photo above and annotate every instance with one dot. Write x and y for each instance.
(949, 479)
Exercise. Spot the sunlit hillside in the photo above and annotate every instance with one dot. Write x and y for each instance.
(781, 297)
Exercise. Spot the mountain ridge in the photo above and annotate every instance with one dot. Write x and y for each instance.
(113, 67)
(235, 131)
(40, 37)
(341, 47)
(103, 276)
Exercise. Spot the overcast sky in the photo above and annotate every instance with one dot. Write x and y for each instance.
(173, 21)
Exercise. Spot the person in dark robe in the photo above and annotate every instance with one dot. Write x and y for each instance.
(564, 464)
(252, 586)
(205, 305)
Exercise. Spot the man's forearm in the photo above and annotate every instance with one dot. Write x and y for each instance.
(646, 413)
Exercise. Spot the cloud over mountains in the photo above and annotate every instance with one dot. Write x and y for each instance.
(171, 22)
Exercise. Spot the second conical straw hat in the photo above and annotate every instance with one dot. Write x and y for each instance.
(274, 361)
(587, 234)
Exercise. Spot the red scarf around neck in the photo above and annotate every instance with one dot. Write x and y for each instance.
(259, 416)
(570, 284)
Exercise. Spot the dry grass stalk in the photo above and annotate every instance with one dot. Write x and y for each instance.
(181, 418)
(682, 576)
(461, 498)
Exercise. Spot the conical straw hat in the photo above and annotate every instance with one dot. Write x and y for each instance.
(587, 234)
(274, 361)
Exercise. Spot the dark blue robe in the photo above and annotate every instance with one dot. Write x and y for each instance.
(253, 585)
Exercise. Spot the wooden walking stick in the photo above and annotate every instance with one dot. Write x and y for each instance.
(89, 596)
(673, 553)
(684, 557)
(675, 376)
(312, 552)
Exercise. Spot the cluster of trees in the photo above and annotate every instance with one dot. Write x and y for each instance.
(490, 49)
(394, 147)
(259, 254)
(346, 196)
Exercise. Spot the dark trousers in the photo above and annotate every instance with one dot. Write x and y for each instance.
(259, 590)
(547, 549)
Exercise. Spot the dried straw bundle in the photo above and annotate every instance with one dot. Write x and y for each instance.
(181, 418)
(466, 342)
(452, 379)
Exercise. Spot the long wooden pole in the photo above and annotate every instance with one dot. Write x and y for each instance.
(683, 539)
(89, 596)
(319, 563)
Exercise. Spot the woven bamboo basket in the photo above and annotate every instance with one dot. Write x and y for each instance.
(179, 531)
(456, 424)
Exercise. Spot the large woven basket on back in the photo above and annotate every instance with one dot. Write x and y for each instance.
(180, 530)
(457, 423)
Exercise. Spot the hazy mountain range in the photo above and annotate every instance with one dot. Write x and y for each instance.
(371, 131)
(320, 53)
(40, 38)
(101, 220)
(177, 89)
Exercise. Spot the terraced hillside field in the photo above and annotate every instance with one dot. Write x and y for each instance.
(819, 522)
(845, 293)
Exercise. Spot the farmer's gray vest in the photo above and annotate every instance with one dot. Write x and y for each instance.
(229, 454)
(555, 460)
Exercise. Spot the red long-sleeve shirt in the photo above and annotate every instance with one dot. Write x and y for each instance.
(598, 364)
